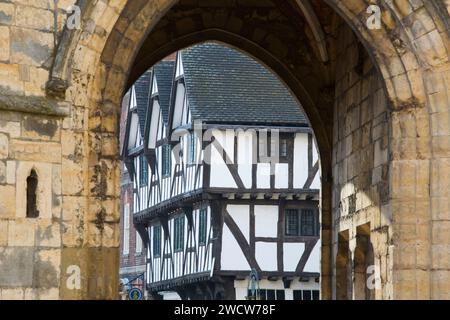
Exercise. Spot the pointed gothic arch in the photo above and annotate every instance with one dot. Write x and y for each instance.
(412, 62)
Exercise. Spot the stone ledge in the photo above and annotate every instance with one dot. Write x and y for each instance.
(10, 101)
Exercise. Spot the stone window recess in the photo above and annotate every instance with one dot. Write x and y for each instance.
(32, 185)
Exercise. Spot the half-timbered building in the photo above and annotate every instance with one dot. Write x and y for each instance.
(226, 179)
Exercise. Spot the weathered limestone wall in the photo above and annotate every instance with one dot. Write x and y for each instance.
(360, 159)
(390, 168)
(30, 249)
(60, 254)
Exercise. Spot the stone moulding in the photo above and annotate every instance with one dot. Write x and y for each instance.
(33, 104)
(56, 88)
(60, 72)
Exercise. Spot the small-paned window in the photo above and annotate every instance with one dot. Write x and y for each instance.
(157, 241)
(202, 226)
(316, 295)
(307, 295)
(143, 171)
(307, 223)
(166, 160)
(266, 294)
(283, 148)
(292, 222)
(297, 294)
(179, 234)
(192, 148)
(302, 222)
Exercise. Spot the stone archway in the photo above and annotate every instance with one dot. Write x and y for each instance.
(402, 61)
(389, 168)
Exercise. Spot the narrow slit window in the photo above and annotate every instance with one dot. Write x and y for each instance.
(32, 184)
(202, 229)
(283, 147)
(157, 241)
(143, 174)
(192, 149)
(166, 160)
(179, 234)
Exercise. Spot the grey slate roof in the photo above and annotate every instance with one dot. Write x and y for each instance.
(228, 87)
(142, 89)
(164, 72)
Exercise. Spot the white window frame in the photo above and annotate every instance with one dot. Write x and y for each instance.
(126, 229)
(138, 243)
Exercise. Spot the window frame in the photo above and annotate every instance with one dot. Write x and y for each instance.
(283, 147)
(143, 171)
(295, 213)
(178, 230)
(300, 222)
(192, 152)
(156, 242)
(203, 227)
(166, 164)
(126, 230)
(138, 240)
(306, 224)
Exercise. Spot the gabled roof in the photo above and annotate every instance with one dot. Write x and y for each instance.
(142, 89)
(164, 76)
(228, 87)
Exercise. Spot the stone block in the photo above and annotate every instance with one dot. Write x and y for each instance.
(21, 232)
(440, 284)
(8, 202)
(4, 146)
(41, 294)
(36, 84)
(35, 151)
(47, 268)
(2, 172)
(73, 177)
(3, 233)
(11, 128)
(6, 14)
(48, 234)
(10, 172)
(38, 128)
(31, 47)
(16, 269)
(12, 294)
(4, 41)
(34, 18)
